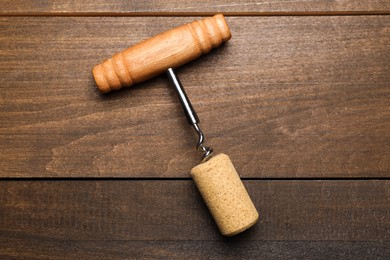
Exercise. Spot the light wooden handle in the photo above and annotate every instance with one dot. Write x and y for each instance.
(153, 56)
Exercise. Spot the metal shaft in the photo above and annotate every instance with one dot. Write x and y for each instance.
(190, 113)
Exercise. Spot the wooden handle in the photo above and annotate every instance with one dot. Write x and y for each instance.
(169, 49)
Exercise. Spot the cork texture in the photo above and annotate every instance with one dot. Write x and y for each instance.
(225, 195)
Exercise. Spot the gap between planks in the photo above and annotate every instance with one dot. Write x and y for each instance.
(75, 179)
(191, 14)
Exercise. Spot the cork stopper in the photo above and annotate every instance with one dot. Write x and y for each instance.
(225, 195)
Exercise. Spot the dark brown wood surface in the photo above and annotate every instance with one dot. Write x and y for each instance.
(286, 97)
(299, 98)
(115, 216)
(162, 7)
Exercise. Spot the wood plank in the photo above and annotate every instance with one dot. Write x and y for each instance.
(41, 248)
(286, 97)
(160, 7)
(166, 210)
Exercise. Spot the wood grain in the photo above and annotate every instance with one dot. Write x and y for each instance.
(308, 97)
(301, 91)
(286, 97)
(160, 7)
(163, 210)
(43, 248)
(167, 219)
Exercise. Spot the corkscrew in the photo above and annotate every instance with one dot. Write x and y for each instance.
(190, 113)
(215, 177)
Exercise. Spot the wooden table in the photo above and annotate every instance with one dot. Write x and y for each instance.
(299, 98)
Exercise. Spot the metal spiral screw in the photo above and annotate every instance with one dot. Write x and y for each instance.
(190, 113)
(200, 147)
